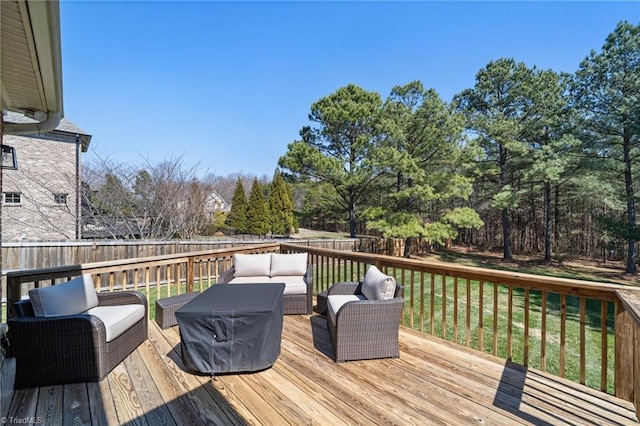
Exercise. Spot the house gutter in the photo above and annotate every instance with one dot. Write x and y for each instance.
(51, 122)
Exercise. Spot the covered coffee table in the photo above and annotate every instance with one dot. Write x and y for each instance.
(232, 328)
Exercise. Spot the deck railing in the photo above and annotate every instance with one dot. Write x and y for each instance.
(585, 331)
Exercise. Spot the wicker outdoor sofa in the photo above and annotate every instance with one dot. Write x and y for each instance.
(79, 347)
(290, 269)
(365, 325)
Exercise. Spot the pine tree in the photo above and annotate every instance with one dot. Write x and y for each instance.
(280, 206)
(606, 89)
(257, 211)
(237, 217)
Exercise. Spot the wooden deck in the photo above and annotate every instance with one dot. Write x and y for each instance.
(433, 382)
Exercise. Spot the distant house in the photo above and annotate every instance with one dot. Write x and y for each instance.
(215, 203)
(41, 199)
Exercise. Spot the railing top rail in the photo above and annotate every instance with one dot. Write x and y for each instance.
(603, 291)
(630, 299)
(598, 290)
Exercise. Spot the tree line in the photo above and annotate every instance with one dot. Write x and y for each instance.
(169, 200)
(527, 160)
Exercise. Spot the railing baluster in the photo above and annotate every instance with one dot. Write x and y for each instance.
(583, 338)
(444, 306)
(158, 293)
(468, 325)
(411, 300)
(169, 274)
(455, 309)
(432, 304)
(422, 301)
(147, 273)
(481, 316)
(333, 270)
(495, 319)
(525, 351)
(563, 333)
(543, 332)
(510, 323)
(604, 345)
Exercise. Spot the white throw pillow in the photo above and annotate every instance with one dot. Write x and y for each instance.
(378, 286)
(69, 298)
(288, 264)
(249, 265)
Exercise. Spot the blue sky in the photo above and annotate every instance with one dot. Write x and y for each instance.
(228, 85)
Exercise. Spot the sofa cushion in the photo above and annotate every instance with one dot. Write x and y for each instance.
(117, 319)
(68, 298)
(250, 280)
(249, 265)
(288, 264)
(292, 284)
(335, 302)
(378, 286)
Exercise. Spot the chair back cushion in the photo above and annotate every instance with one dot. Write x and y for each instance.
(378, 286)
(249, 265)
(69, 298)
(288, 264)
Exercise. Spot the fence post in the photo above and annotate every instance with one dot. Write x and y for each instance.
(623, 376)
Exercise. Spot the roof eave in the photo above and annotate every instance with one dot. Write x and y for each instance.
(42, 23)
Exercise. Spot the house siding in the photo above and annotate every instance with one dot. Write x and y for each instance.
(46, 166)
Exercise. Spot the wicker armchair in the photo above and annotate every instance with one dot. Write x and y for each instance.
(364, 329)
(71, 348)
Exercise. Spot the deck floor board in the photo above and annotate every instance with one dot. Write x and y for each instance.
(433, 382)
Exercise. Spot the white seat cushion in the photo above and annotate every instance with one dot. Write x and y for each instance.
(292, 284)
(378, 286)
(250, 280)
(335, 302)
(69, 298)
(288, 264)
(248, 265)
(117, 319)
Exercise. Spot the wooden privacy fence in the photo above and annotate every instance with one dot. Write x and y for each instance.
(37, 255)
(585, 331)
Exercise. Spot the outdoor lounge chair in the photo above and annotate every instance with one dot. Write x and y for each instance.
(68, 333)
(363, 318)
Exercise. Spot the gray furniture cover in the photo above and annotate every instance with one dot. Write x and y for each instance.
(232, 328)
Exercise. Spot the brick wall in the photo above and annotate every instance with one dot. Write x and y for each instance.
(46, 166)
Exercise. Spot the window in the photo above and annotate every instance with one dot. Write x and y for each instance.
(11, 197)
(60, 198)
